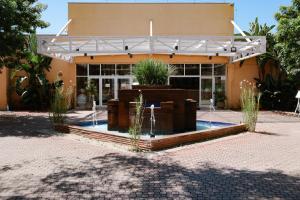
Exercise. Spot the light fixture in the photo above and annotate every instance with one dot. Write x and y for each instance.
(233, 49)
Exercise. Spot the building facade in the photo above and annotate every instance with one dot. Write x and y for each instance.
(195, 38)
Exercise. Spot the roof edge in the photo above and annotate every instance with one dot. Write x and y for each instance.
(225, 3)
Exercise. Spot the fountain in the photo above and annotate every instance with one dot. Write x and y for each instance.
(211, 107)
(94, 115)
(152, 121)
(169, 119)
(175, 112)
(169, 115)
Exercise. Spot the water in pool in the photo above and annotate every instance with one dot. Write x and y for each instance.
(102, 127)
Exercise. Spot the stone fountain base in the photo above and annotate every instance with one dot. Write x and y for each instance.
(174, 110)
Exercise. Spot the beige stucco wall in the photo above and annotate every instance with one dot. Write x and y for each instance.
(133, 19)
(3, 88)
(235, 74)
(68, 70)
(125, 59)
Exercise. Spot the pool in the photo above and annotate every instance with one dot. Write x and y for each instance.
(205, 131)
(101, 126)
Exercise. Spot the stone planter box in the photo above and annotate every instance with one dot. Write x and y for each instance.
(143, 87)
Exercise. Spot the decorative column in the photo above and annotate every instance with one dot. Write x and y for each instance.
(113, 114)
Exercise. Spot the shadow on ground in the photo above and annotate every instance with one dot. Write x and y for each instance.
(25, 126)
(118, 176)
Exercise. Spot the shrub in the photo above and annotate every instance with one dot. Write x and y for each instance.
(69, 97)
(135, 130)
(250, 104)
(58, 107)
(152, 72)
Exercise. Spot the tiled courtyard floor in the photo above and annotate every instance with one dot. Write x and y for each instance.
(36, 163)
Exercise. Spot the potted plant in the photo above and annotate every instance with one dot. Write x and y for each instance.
(152, 73)
(58, 111)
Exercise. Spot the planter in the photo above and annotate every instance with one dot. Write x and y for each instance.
(62, 128)
(145, 87)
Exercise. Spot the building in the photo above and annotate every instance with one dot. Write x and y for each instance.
(105, 40)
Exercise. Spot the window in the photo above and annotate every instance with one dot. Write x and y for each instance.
(179, 69)
(107, 69)
(81, 83)
(220, 85)
(94, 69)
(81, 70)
(192, 69)
(123, 69)
(219, 70)
(206, 69)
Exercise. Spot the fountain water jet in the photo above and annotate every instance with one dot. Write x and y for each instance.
(152, 121)
(211, 108)
(94, 113)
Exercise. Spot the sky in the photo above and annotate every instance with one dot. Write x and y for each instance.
(245, 11)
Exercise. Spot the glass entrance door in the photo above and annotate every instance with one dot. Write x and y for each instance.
(107, 91)
(206, 90)
(94, 87)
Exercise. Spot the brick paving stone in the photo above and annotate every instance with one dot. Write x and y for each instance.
(37, 163)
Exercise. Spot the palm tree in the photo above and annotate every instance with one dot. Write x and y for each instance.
(271, 55)
(33, 87)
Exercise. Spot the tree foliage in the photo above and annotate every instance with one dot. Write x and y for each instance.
(33, 87)
(277, 92)
(18, 19)
(271, 55)
(288, 36)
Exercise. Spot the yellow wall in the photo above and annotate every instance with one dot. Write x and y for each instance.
(3, 88)
(236, 74)
(68, 70)
(132, 19)
(125, 59)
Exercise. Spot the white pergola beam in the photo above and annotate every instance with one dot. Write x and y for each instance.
(230, 46)
(61, 30)
(240, 30)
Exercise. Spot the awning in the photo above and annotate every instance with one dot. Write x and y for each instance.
(67, 47)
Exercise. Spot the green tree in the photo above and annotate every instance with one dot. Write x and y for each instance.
(18, 19)
(33, 87)
(271, 55)
(288, 36)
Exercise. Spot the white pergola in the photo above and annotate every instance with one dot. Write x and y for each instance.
(67, 47)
